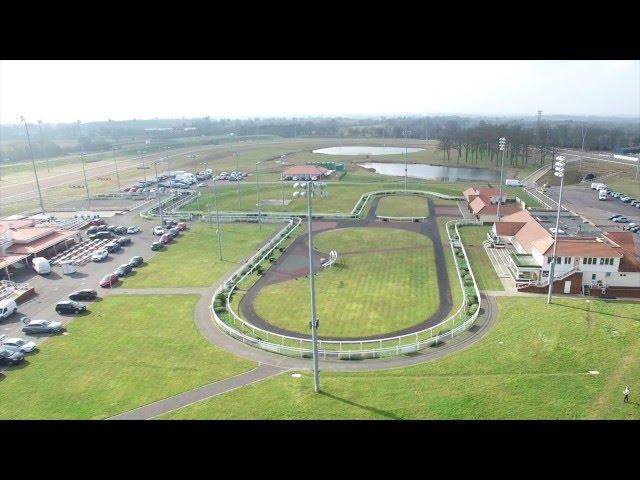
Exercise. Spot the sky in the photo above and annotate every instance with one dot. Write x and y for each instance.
(67, 91)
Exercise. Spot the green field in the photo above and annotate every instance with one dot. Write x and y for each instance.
(192, 260)
(127, 352)
(534, 364)
(403, 206)
(363, 293)
(472, 237)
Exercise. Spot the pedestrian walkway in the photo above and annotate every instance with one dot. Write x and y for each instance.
(499, 258)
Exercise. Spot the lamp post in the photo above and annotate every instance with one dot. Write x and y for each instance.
(33, 162)
(115, 162)
(235, 154)
(86, 183)
(502, 142)
(311, 189)
(405, 134)
(46, 157)
(258, 196)
(218, 232)
(559, 172)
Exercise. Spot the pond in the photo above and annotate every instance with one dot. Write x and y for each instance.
(364, 150)
(434, 172)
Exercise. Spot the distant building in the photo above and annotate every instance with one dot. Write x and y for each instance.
(483, 203)
(304, 172)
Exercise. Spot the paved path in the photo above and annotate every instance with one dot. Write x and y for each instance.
(159, 291)
(161, 407)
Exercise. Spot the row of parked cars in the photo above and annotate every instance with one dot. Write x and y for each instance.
(232, 177)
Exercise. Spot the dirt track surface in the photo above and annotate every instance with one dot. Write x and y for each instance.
(294, 264)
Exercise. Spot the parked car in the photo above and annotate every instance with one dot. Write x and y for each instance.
(102, 228)
(635, 229)
(84, 294)
(99, 255)
(155, 246)
(123, 270)
(174, 232)
(109, 280)
(121, 230)
(70, 306)
(613, 217)
(182, 226)
(112, 246)
(16, 344)
(169, 222)
(103, 235)
(98, 221)
(621, 220)
(123, 240)
(112, 228)
(40, 326)
(136, 261)
(9, 357)
(8, 307)
(158, 230)
(92, 230)
(166, 238)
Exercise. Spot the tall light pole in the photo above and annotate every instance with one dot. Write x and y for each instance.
(405, 134)
(235, 154)
(167, 158)
(46, 157)
(218, 232)
(258, 196)
(115, 162)
(559, 172)
(86, 183)
(584, 133)
(33, 162)
(502, 142)
(144, 168)
(311, 189)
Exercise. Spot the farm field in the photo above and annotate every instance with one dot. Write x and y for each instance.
(403, 206)
(365, 293)
(472, 237)
(127, 352)
(194, 259)
(522, 369)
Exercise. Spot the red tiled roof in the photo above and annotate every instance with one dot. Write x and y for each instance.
(41, 244)
(7, 260)
(629, 245)
(508, 229)
(305, 170)
(582, 247)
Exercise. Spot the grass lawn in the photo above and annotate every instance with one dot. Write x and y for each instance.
(403, 206)
(472, 237)
(192, 260)
(363, 293)
(533, 365)
(127, 352)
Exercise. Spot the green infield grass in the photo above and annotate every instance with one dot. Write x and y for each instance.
(403, 206)
(472, 237)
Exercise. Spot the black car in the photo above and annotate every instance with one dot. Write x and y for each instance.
(85, 294)
(136, 261)
(157, 246)
(123, 270)
(103, 228)
(170, 221)
(174, 231)
(7, 357)
(100, 235)
(112, 247)
(69, 306)
(112, 228)
(121, 230)
(93, 229)
(123, 240)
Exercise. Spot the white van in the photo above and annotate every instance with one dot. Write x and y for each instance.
(41, 265)
(602, 194)
(513, 182)
(7, 308)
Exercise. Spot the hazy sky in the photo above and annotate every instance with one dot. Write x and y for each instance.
(61, 91)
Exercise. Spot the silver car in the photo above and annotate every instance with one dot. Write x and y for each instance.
(41, 326)
(16, 344)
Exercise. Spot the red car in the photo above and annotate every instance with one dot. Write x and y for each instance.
(108, 281)
(98, 221)
(181, 226)
(165, 238)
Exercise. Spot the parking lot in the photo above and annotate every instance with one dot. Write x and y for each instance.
(55, 286)
(583, 200)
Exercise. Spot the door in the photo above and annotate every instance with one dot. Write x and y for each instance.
(567, 287)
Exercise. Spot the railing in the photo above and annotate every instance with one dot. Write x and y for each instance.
(344, 349)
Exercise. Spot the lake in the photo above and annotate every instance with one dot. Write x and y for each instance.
(434, 172)
(364, 150)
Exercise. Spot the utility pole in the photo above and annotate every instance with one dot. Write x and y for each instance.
(218, 232)
(235, 154)
(86, 183)
(405, 134)
(539, 134)
(44, 153)
(584, 133)
(258, 197)
(116, 164)
(33, 162)
(314, 319)
(502, 142)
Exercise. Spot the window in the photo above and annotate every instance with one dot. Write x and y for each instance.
(549, 259)
(584, 261)
(602, 260)
(593, 276)
(567, 260)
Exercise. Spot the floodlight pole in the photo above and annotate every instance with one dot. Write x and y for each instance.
(115, 162)
(555, 239)
(33, 162)
(86, 183)
(502, 142)
(405, 134)
(258, 197)
(314, 322)
(235, 154)
(218, 232)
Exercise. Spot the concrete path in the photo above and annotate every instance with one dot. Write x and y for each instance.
(161, 407)
(159, 291)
